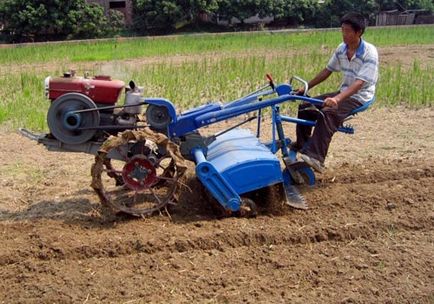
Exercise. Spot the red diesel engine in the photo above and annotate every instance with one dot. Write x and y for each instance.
(82, 106)
(101, 89)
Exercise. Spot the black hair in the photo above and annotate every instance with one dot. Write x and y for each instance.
(356, 20)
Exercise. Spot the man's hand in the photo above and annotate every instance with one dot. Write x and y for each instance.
(331, 102)
(352, 89)
(299, 91)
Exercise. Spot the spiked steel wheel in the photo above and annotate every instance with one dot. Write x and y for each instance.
(111, 172)
(143, 183)
(144, 189)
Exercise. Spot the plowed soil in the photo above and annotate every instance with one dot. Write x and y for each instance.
(367, 237)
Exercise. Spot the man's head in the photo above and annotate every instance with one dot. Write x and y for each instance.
(353, 26)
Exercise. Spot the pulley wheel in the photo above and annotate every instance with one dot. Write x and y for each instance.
(158, 117)
(66, 125)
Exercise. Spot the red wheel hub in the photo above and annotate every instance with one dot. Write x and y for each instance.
(139, 173)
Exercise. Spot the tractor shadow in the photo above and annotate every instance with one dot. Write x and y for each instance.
(82, 208)
(79, 210)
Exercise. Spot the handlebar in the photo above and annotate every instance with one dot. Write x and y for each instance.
(276, 88)
(304, 82)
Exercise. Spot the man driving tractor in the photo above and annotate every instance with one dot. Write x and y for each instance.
(358, 61)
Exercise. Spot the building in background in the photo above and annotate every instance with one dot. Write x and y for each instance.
(124, 6)
(404, 17)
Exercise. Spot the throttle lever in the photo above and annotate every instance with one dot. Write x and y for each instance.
(270, 80)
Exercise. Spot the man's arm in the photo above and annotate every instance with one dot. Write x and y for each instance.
(351, 90)
(323, 75)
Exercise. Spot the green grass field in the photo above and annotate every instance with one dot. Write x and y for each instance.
(197, 44)
(192, 82)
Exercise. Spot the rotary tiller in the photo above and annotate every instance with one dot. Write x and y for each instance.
(141, 147)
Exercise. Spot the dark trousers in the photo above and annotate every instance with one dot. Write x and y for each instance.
(328, 120)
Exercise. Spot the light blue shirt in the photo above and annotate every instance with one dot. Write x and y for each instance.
(363, 65)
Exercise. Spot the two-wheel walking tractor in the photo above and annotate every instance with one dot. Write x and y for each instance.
(141, 147)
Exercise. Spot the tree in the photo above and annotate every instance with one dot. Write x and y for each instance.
(168, 15)
(243, 9)
(88, 21)
(116, 22)
(35, 20)
(333, 10)
(297, 11)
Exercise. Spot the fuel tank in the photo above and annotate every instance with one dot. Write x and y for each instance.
(101, 89)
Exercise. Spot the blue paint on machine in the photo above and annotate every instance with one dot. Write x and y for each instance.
(236, 163)
(230, 164)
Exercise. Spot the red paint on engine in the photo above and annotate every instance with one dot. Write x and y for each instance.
(101, 89)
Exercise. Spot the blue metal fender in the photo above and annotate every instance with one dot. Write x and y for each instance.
(214, 182)
(236, 163)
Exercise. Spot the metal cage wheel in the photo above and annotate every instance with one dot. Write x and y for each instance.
(144, 184)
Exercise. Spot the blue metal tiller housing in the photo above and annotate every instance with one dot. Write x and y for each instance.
(236, 162)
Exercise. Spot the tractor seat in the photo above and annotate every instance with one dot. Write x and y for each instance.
(362, 107)
(348, 128)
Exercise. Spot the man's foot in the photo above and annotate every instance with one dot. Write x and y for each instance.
(294, 146)
(313, 163)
